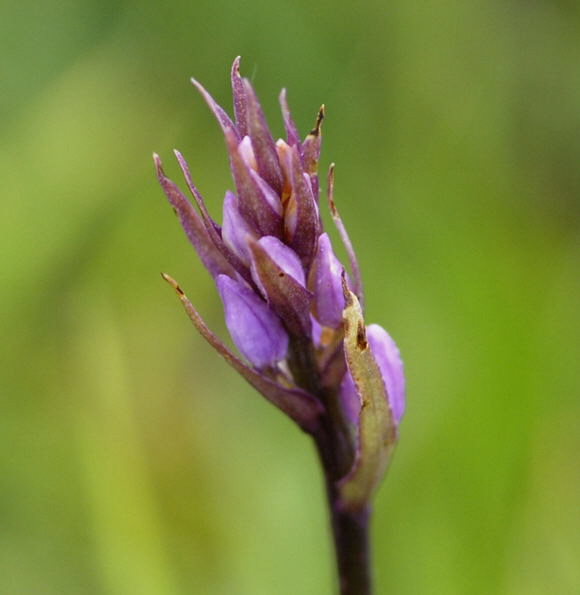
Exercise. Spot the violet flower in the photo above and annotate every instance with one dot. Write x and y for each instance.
(294, 314)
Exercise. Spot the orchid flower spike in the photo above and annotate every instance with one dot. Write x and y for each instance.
(293, 312)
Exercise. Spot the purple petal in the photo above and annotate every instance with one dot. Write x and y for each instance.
(255, 330)
(235, 229)
(240, 103)
(285, 295)
(388, 358)
(254, 203)
(326, 284)
(211, 257)
(353, 262)
(301, 406)
(262, 141)
(284, 257)
(292, 135)
(221, 116)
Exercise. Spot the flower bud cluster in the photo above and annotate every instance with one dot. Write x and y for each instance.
(285, 294)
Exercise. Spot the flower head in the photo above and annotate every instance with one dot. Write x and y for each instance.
(292, 311)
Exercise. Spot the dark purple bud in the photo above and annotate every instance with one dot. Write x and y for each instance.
(257, 202)
(286, 295)
(326, 283)
(239, 93)
(211, 257)
(262, 141)
(301, 217)
(292, 135)
(255, 330)
(235, 230)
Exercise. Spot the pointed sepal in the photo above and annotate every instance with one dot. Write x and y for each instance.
(262, 141)
(286, 295)
(240, 102)
(209, 254)
(211, 227)
(221, 116)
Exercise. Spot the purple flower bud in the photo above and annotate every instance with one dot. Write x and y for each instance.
(290, 307)
(255, 330)
(257, 201)
(386, 354)
(326, 284)
(283, 256)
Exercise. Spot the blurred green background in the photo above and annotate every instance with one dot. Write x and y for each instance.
(132, 459)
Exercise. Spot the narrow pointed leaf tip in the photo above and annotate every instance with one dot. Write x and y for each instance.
(195, 230)
(352, 259)
(240, 101)
(377, 433)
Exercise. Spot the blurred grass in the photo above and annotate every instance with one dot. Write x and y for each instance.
(132, 460)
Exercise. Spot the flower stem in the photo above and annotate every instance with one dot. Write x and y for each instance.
(350, 530)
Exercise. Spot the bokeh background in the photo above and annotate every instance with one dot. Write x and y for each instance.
(132, 460)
